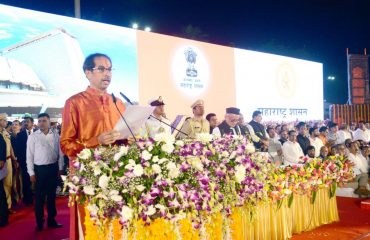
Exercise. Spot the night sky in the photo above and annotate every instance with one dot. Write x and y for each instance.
(317, 30)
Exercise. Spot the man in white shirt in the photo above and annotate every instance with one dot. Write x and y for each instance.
(44, 159)
(159, 124)
(361, 133)
(274, 148)
(292, 151)
(344, 134)
(360, 169)
(315, 141)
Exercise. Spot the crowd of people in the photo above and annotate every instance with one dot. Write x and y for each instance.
(29, 155)
(290, 143)
(31, 158)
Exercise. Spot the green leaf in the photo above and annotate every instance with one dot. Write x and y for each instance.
(332, 190)
(290, 200)
(313, 199)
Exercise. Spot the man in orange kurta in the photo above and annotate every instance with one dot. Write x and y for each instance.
(89, 118)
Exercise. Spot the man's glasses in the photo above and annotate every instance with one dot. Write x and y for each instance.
(103, 69)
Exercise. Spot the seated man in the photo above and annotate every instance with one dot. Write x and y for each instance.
(360, 169)
(292, 151)
(230, 124)
(324, 152)
(213, 122)
(274, 148)
(311, 151)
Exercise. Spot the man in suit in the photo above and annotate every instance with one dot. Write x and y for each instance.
(259, 130)
(21, 154)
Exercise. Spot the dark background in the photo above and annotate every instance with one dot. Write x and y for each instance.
(317, 30)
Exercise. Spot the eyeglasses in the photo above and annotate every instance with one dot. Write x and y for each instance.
(101, 69)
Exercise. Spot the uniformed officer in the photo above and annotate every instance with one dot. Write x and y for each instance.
(196, 124)
(159, 124)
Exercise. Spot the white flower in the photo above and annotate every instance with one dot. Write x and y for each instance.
(89, 190)
(103, 181)
(126, 213)
(160, 207)
(84, 154)
(82, 167)
(131, 164)
(287, 192)
(116, 198)
(162, 160)
(93, 209)
(173, 171)
(204, 137)
(140, 188)
(164, 137)
(196, 163)
(155, 159)
(240, 173)
(150, 211)
(168, 148)
(250, 148)
(64, 177)
(156, 169)
(138, 170)
(97, 170)
(75, 179)
(180, 143)
(123, 150)
(146, 155)
(224, 154)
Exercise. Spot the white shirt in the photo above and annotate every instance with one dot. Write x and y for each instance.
(153, 127)
(274, 147)
(317, 143)
(360, 163)
(343, 136)
(43, 150)
(292, 152)
(360, 134)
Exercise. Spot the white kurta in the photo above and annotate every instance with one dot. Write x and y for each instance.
(361, 165)
(317, 143)
(360, 134)
(292, 152)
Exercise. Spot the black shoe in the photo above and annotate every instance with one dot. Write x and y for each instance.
(55, 225)
(4, 224)
(39, 228)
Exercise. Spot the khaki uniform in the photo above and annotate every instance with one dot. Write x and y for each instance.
(192, 127)
(8, 180)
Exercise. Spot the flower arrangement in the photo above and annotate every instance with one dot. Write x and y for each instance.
(164, 178)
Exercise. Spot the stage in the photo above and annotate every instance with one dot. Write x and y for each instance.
(354, 222)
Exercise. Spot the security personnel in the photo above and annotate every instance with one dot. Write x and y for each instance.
(159, 124)
(196, 124)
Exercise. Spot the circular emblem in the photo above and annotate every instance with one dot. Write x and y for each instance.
(190, 70)
(286, 80)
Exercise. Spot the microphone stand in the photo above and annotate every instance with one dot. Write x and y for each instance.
(151, 115)
(115, 103)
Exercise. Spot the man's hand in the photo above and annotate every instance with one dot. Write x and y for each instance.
(2, 164)
(107, 138)
(33, 179)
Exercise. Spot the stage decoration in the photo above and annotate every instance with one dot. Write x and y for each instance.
(200, 187)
